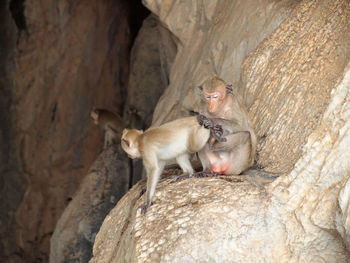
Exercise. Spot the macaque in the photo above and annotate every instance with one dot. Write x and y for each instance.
(235, 151)
(110, 123)
(175, 139)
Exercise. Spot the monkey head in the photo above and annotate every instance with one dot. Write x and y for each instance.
(130, 142)
(214, 92)
(94, 115)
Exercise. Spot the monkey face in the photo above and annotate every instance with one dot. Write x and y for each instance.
(215, 99)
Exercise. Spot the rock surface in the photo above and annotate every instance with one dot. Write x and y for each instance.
(106, 182)
(296, 83)
(60, 59)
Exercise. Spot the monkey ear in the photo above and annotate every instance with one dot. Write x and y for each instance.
(200, 88)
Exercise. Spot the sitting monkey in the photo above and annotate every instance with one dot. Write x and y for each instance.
(235, 152)
(175, 139)
(110, 123)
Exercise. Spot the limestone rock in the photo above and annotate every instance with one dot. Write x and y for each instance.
(106, 182)
(222, 35)
(296, 85)
(293, 73)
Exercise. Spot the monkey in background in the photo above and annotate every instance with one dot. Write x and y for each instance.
(175, 139)
(235, 152)
(110, 123)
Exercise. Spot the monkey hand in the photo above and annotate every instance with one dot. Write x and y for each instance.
(217, 132)
(204, 121)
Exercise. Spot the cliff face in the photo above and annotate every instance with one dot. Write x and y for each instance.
(290, 60)
(58, 60)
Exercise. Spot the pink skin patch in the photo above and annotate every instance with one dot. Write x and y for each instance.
(220, 169)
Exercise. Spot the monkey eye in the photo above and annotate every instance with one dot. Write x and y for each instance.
(126, 142)
(207, 96)
(215, 96)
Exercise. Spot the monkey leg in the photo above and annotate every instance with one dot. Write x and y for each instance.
(154, 169)
(185, 164)
(216, 162)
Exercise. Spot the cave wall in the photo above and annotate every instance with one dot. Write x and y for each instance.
(59, 59)
(111, 175)
(294, 76)
(12, 180)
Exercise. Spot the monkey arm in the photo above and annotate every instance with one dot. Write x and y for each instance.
(228, 126)
(232, 141)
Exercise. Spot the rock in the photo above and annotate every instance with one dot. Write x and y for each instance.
(295, 83)
(75, 232)
(106, 182)
(68, 57)
(293, 73)
(151, 58)
(221, 35)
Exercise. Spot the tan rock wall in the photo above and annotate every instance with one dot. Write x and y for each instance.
(296, 84)
(288, 79)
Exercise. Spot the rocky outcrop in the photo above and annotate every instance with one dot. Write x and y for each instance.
(106, 182)
(295, 80)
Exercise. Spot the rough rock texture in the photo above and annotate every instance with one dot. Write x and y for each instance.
(106, 182)
(62, 60)
(293, 73)
(296, 84)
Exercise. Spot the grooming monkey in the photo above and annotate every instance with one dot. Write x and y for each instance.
(175, 139)
(235, 152)
(110, 123)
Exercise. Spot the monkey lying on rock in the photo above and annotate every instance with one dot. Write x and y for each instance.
(175, 139)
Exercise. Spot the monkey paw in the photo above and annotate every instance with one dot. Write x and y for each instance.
(180, 178)
(217, 132)
(204, 121)
(144, 208)
(205, 173)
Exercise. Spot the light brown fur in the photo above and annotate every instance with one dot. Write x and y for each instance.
(175, 139)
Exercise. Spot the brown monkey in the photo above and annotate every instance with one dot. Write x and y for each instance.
(110, 123)
(175, 139)
(236, 151)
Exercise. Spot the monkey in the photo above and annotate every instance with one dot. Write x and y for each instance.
(176, 139)
(235, 152)
(110, 123)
